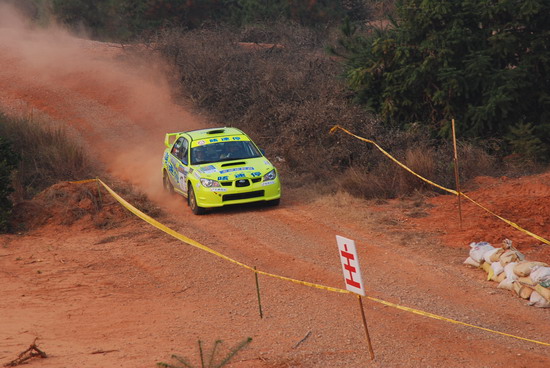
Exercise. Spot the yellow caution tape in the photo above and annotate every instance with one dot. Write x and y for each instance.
(514, 225)
(196, 244)
(336, 127)
(435, 316)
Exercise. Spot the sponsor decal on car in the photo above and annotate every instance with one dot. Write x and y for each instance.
(201, 143)
(208, 169)
(218, 190)
(269, 182)
(196, 174)
(223, 178)
(236, 169)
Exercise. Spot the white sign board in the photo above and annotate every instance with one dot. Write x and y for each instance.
(350, 265)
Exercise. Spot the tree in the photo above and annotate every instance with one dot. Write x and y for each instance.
(485, 63)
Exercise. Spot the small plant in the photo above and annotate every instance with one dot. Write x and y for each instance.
(211, 359)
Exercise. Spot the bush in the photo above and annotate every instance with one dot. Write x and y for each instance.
(8, 164)
(47, 154)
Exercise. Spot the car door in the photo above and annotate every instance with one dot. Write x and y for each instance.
(179, 158)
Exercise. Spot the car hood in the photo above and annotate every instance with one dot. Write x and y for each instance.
(236, 169)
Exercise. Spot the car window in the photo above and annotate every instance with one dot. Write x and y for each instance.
(223, 151)
(180, 150)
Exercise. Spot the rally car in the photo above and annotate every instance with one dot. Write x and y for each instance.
(218, 167)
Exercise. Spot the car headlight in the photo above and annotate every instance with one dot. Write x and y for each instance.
(209, 183)
(270, 175)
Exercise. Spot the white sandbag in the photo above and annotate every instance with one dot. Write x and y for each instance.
(508, 282)
(509, 269)
(478, 250)
(540, 274)
(523, 269)
(471, 262)
(497, 268)
(537, 300)
(489, 254)
(543, 291)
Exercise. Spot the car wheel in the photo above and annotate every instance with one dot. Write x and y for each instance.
(166, 184)
(192, 200)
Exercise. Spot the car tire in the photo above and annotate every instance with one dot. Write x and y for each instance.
(166, 184)
(192, 201)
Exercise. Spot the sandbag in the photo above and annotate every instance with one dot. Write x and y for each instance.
(487, 268)
(509, 270)
(527, 281)
(545, 292)
(507, 284)
(495, 256)
(500, 277)
(497, 268)
(523, 291)
(478, 250)
(488, 254)
(510, 256)
(540, 274)
(537, 300)
(523, 269)
(471, 262)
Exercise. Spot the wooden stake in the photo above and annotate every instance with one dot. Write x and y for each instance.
(456, 173)
(371, 351)
(258, 292)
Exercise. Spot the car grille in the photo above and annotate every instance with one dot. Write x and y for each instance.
(242, 184)
(236, 196)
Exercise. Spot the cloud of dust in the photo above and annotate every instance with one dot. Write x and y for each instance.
(118, 100)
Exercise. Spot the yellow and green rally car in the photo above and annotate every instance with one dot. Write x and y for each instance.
(218, 167)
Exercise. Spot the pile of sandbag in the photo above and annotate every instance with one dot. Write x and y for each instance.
(507, 266)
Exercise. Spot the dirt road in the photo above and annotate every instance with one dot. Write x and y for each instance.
(130, 296)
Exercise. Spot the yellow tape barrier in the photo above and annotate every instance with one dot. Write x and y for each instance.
(196, 244)
(514, 225)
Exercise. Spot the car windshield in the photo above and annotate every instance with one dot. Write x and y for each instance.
(223, 151)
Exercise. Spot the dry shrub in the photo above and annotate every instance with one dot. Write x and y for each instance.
(48, 155)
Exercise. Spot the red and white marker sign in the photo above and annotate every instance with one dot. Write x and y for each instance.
(350, 265)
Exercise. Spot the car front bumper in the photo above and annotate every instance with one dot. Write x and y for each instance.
(226, 195)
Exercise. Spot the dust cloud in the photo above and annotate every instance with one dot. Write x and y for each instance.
(119, 104)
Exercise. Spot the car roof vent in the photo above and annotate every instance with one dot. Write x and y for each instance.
(216, 131)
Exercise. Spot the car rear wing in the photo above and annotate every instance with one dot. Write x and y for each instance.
(169, 139)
